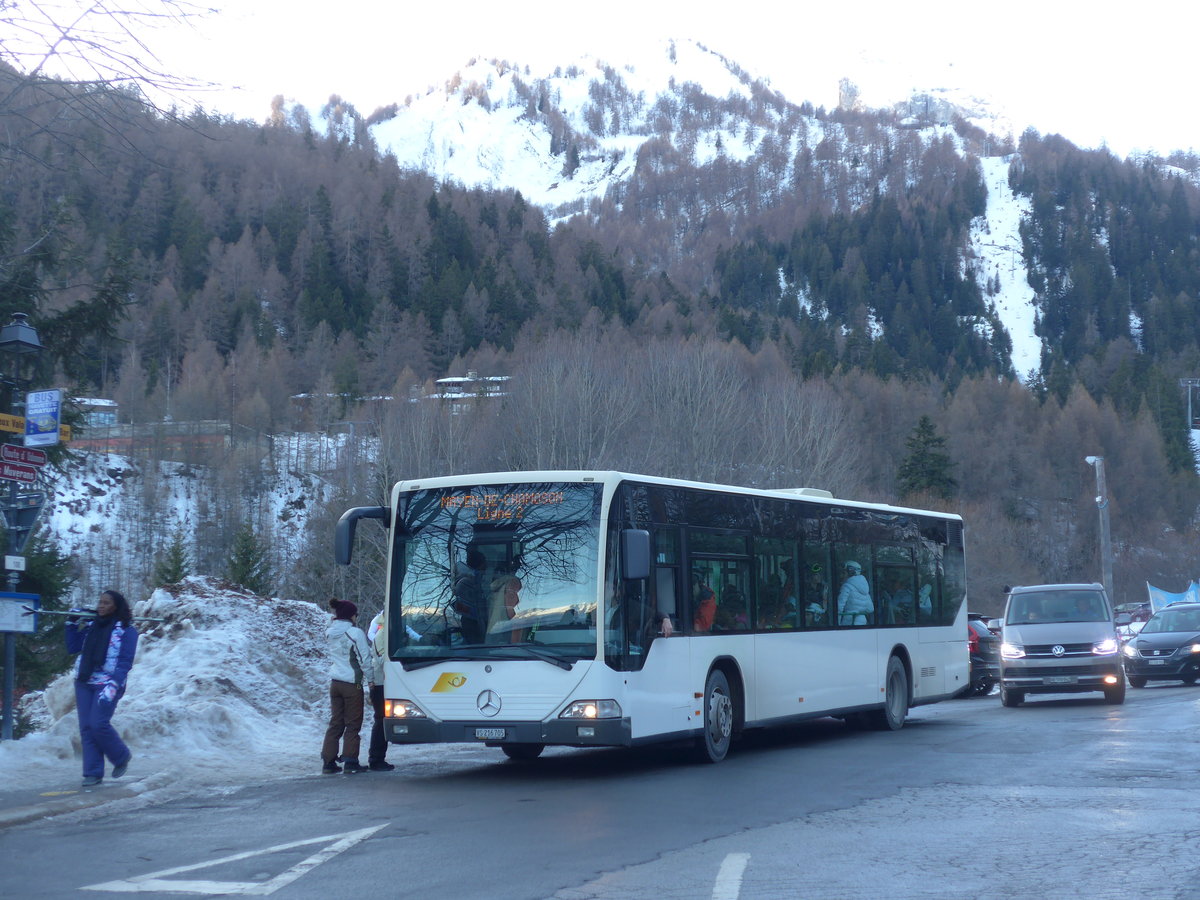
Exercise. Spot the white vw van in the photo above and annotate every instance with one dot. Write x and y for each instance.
(1059, 638)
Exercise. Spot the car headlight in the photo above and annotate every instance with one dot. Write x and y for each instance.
(1011, 651)
(1191, 648)
(1130, 651)
(402, 709)
(592, 709)
(1106, 647)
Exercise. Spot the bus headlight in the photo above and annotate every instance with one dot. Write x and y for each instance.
(592, 709)
(401, 709)
(1011, 651)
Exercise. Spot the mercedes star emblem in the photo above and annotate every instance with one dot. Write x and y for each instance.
(488, 703)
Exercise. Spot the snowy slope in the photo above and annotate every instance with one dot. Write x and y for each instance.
(995, 247)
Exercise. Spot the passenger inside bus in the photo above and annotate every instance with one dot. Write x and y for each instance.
(898, 599)
(816, 598)
(732, 614)
(505, 596)
(470, 597)
(855, 606)
(704, 604)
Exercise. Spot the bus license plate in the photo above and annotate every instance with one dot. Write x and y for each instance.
(1060, 679)
(489, 734)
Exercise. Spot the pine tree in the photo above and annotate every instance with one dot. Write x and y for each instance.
(249, 562)
(173, 563)
(927, 467)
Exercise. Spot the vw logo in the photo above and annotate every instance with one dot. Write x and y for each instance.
(488, 703)
(1058, 650)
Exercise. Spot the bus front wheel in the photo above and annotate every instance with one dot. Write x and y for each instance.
(895, 699)
(718, 718)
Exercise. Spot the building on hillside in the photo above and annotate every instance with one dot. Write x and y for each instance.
(461, 392)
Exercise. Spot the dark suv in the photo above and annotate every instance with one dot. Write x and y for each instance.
(1060, 638)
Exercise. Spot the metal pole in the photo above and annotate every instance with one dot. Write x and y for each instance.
(1105, 540)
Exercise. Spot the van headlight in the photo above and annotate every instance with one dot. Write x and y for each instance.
(592, 709)
(1106, 647)
(1012, 651)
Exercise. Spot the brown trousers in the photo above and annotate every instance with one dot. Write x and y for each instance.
(345, 721)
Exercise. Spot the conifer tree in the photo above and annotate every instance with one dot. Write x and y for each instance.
(249, 562)
(927, 467)
(173, 563)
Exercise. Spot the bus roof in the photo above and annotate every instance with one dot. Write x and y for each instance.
(612, 478)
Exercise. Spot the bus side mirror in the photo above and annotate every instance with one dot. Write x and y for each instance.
(343, 536)
(635, 554)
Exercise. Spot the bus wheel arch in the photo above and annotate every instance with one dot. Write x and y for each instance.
(722, 711)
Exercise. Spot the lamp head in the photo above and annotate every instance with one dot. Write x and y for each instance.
(1092, 460)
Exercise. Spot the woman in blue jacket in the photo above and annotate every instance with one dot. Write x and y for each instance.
(106, 646)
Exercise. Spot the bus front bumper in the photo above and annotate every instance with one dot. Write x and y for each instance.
(561, 732)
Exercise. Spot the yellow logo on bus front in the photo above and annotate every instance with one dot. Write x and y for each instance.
(449, 681)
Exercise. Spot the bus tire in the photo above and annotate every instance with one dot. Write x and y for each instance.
(713, 746)
(522, 751)
(895, 699)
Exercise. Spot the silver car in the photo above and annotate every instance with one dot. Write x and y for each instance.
(1060, 638)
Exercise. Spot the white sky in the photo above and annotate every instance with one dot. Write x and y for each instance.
(1095, 74)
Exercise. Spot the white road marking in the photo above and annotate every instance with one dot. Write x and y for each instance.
(161, 881)
(729, 880)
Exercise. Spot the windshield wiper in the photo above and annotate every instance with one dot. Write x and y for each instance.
(488, 651)
(553, 658)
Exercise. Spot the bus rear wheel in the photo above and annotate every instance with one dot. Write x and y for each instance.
(895, 699)
(522, 751)
(718, 718)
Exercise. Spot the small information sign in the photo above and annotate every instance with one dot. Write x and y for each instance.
(13, 616)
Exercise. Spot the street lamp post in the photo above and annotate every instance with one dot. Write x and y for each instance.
(19, 339)
(1105, 541)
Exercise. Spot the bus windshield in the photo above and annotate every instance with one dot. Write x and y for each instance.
(499, 571)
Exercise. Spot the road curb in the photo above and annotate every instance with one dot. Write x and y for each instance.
(57, 806)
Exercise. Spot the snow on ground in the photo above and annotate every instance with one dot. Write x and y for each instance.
(228, 688)
(996, 247)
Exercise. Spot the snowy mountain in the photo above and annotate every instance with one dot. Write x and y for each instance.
(591, 134)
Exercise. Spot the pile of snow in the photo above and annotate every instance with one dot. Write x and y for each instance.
(228, 685)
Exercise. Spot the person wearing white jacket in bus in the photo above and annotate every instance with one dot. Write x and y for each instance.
(854, 599)
(350, 665)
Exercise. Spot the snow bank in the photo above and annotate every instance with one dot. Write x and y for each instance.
(229, 685)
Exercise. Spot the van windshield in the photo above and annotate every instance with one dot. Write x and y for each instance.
(1056, 606)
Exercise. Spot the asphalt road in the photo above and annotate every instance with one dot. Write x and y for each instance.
(1063, 797)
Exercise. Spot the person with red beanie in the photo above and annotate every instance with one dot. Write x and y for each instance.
(350, 666)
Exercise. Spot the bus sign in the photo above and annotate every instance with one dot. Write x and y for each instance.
(27, 455)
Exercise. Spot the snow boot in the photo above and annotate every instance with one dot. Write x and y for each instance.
(353, 767)
(120, 770)
(381, 766)
(330, 768)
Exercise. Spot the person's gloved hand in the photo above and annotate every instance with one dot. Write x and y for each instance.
(109, 693)
(74, 620)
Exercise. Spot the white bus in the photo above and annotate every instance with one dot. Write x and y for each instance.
(527, 609)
